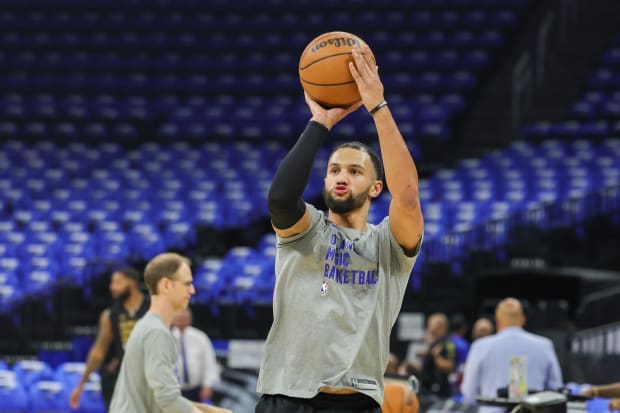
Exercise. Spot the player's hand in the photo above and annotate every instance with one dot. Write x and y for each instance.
(329, 117)
(614, 404)
(365, 72)
(588, 392)
(74, 399)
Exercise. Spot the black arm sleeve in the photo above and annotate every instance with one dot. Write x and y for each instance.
(284, 199)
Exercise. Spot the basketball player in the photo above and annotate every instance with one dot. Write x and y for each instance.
(340, 281)
(115, 325)
(147, 380)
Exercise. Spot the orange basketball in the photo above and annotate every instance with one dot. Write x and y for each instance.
(324, 69)
(399, 398)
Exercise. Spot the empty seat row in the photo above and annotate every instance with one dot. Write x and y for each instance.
(211, 63)
(218, 41)
(252, 7)
(32, 386)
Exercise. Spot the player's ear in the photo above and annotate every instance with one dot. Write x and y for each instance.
(164, 285)
(376, 189)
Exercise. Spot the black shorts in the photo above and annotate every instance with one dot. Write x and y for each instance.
(324, 403)
(108, 381)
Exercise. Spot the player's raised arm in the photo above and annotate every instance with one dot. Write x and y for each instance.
(401, 175)
(288, 211)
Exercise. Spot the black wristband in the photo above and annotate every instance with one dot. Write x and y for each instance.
(379, 106)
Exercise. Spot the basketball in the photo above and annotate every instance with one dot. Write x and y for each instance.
(399, 398)
(324, 69)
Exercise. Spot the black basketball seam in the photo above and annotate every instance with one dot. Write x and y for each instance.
(329, 104)
(327, 84)
(323, 58)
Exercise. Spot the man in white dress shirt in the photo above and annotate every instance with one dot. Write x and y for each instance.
(197, 367)
(488, 363)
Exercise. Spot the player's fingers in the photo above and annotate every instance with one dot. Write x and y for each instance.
(360, 62)
(309, 101)
(369, 62)
(372, 65)
(354, 72)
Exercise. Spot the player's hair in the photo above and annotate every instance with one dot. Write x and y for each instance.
(162, 266)
(374, 157)
(131, 273)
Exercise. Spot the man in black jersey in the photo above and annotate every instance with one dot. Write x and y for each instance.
(115, 325)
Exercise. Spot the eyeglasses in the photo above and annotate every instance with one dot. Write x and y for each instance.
(187, 284)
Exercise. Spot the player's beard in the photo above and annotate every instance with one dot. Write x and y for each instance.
(345, 205)
(123, 296)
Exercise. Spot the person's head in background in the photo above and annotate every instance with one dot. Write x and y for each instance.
(169, 279)
(509, 313)
(482, 327)
(183, 319)
(125, 282)
(436, 326)
(458, 325)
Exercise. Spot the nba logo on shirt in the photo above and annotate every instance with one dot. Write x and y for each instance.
(324, 288)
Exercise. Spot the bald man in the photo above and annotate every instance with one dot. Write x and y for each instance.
(482, 327)
(488, 365)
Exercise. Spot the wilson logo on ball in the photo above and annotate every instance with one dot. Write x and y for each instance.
(340, 41)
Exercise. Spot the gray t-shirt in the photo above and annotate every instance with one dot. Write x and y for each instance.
(338, 293)
(147, 381)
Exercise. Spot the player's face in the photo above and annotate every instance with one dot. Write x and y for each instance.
(120, 286)
(182, 288)
(435, 328)
(350, 180)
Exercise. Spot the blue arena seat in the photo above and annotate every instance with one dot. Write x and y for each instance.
(29, 372)
(48, 396)
(92, 400)
(13, 397)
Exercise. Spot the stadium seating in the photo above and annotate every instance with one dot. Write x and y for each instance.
(29, 372)
(596, 114)
(217, 86)
(49, 392)
(92, 401)
(13, 397)
(80, 84)
(48, 396)
(195, 70)
(224, 185)
(33, 387)
(70, 373)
